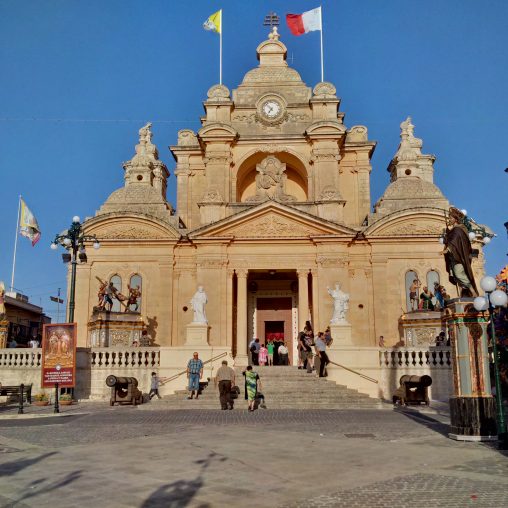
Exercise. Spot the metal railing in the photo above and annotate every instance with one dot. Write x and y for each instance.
(177, 375)
(368, 378)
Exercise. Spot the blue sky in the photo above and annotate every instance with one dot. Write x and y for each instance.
(79, 78)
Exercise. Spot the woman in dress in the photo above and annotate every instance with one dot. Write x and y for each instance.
(262, 355)
(252, 382)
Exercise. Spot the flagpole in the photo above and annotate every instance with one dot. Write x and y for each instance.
(322, 65)
(220, 50)
(15, 244)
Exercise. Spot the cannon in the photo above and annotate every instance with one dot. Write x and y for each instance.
(412, 390)
(124, 390)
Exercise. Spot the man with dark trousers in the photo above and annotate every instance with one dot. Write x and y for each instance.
(225, 378)
(321, 351)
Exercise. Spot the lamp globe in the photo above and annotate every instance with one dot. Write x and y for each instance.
(67, 241)
(498, 298)
(76, 219)
(54, 246)
(486, 240)
(481, 303)
(472, 235)
(96, 245)
(488, 284)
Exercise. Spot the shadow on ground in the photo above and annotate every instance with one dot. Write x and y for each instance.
(180, 493)
(15, 466)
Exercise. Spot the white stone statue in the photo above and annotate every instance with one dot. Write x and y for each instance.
(198, 302)
(340, 304)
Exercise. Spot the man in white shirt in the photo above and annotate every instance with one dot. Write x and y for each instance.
(283, 354)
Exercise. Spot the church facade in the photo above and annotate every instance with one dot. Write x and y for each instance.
(273, 209)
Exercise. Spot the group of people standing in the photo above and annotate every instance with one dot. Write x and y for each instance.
(274, 353)
(425, 300)
(312, 354)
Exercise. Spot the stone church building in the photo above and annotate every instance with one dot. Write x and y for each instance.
(273, 208)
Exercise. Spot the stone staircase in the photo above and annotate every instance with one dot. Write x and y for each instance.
(283, 388)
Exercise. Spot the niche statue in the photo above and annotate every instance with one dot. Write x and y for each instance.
(198, 302)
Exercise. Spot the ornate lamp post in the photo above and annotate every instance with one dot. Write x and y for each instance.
(494, 298)
(73, 240)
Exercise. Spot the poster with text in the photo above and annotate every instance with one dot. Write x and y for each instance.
(59, 355)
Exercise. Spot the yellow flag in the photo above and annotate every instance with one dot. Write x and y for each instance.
(214, 22)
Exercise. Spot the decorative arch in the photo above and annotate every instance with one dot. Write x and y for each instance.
(297, 171)
(116, 280)
(411, 303)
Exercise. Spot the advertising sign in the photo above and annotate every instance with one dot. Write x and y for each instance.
(59, 355)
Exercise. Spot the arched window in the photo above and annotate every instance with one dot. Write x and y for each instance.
(135, 290)
(116, 280)
(412, 289)
(432, 279)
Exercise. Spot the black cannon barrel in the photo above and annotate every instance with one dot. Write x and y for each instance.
(422, 380)
(112, 380)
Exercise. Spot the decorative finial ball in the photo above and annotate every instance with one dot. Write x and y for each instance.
(472, 235)
(488, 284)
(499, 298)
(486, 240)
(481, 303)
(76, 219)
(464, 211)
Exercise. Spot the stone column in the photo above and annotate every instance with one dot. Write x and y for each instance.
(315, 301)
(229, 310)
(303, 297)
(241, 319)
(472, 407)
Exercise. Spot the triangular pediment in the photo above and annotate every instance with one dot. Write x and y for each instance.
(271, 220)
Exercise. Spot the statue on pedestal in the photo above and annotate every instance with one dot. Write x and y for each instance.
(340, 304)
(198, 302)
(458, 254)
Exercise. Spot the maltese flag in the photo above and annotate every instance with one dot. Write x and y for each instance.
(309, 21)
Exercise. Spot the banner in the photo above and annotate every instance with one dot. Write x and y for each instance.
(59, 355)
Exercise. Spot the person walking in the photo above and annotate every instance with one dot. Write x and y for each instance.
(263, 355)
(309, 356)
(154, 385)
(194, 374)
(254, 348)
(283, 354)
(252, 384)
(225, 379)
(270, 348)
(321, 351)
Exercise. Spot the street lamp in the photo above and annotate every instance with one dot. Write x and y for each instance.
(73, 240)
(494, 298)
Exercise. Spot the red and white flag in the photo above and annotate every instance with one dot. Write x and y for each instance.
(309, 21)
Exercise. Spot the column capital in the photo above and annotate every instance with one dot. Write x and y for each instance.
(230, 272)
(302, 272)
(241, 273)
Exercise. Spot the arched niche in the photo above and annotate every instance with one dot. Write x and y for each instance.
(297, 185)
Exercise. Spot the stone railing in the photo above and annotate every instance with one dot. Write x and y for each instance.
(20, 358)
(434, 357)
(124, 357)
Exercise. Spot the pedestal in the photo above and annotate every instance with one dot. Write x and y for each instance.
(341, 334)
(472, 408)
(197, 334)
(109, 329)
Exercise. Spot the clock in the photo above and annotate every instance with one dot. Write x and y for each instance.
(271, 109)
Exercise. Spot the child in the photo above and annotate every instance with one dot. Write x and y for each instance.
(263, 355)
(155, 383)
(269, 348)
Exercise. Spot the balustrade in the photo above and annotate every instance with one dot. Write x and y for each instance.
(17, 358)
(439, 357)
(129, 357)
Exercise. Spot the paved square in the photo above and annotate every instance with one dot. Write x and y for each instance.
(94, 455)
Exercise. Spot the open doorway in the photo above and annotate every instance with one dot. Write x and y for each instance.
(274, 331)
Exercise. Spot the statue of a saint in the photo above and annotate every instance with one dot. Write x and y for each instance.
(340, 304)
(458, 254)
(198, 302)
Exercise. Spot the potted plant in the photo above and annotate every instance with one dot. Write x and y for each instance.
(66, 399)
(41, 399)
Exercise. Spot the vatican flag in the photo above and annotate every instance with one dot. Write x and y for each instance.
(214, 22)
(28, 226)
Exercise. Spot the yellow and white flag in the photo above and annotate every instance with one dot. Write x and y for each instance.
(28, 225)
(214, 22)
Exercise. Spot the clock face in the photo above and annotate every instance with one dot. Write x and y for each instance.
(271, 109)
